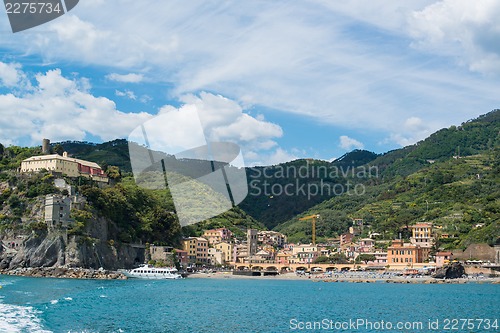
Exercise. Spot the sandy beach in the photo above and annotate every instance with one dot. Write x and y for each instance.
(358, 277)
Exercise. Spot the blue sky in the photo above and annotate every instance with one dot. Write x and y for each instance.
(282, 79)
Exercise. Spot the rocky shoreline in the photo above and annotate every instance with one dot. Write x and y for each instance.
(65, 273)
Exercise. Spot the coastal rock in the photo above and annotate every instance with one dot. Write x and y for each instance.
(56, 249)
(451, 271)
(40, 251)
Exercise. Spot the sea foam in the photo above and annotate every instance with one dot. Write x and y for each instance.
(16, 319)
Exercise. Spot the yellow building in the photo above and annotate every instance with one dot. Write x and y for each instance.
(197, 249)
(422, 234)
(189, 245)
(227, 249)
(71, 167)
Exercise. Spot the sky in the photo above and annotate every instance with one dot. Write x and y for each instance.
(282, 79)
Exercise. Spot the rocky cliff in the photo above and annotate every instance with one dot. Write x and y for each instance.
(55, 249)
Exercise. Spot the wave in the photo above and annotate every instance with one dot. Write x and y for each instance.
(20, 319)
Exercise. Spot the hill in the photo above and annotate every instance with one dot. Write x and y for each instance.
(429, 181)
(393, 193)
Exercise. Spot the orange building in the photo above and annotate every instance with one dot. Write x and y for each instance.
(404, 253)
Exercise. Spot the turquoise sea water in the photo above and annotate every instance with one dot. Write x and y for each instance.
(231, 305)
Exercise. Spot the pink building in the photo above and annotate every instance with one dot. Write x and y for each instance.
(442, 258)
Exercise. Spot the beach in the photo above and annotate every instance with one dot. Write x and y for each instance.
(353, 277)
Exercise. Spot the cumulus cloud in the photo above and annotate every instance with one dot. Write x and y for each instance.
(9, 74)
(224, 120)
(126, 78)
(210, 118)
(466, 30)
(348, 143)
(61, 109)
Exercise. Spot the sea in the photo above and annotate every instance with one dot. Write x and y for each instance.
(244, 305)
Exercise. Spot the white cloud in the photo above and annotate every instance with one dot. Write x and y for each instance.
(466, 30)
(127, 93)
(348, 63)
(224, 120)
(126, 78)
(61, 109)
(276, 156)
(9, 74)
(211, 118)
(348, 143)
(413, 130)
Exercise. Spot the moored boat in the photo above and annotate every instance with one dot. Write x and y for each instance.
(153, 273)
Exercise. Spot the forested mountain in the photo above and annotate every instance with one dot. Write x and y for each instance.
(450, 178)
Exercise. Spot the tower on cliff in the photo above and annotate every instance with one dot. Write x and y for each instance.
(45, 146)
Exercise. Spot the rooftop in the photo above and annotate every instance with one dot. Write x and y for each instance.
(59, 157)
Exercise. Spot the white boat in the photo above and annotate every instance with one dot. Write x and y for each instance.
(153, 273)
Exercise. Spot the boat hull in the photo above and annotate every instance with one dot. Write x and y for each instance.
(152, 273)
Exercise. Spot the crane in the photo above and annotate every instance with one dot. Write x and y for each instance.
(313, 218)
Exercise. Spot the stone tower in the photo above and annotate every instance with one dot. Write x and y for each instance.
(45, 146)
(251, 242)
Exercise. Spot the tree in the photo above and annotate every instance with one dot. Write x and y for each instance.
(113, 172)
(321, 260)
(366, 257)
(58, 149)
(1, 150)
(338, 258)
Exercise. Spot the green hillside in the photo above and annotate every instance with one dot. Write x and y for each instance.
(455, 194)
(269, 202)
(450, 178)
(429, 181)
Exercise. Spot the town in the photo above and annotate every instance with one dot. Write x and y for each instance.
(269, 252)
(259, 252)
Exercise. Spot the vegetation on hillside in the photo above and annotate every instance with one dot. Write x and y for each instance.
(450, 179)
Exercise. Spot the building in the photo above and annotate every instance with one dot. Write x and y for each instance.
(226, 249)
(380, 258)
(189, 245)
(404, 253)
(240, 252)
(251, 242)
(307, 257)
(350, 250)
(282, 258)
(197, 250)
(265, 255)
(182, 257)
(201, 250)
(443, 258)
(422, 235)
(162, 254)
(366, 245)
(346, 238)
(65, 165)
(271, 238)
(215, 236)
(215, 257)
(304, 254)
(57, 210)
